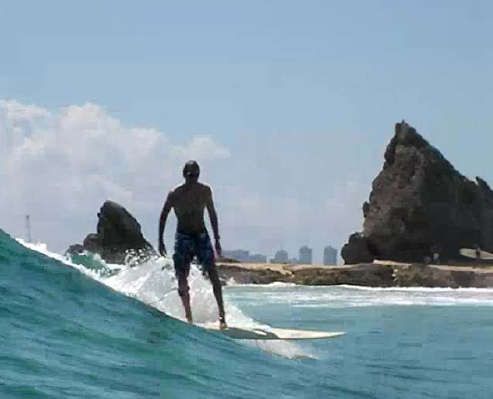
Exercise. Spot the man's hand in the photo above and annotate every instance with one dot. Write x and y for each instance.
(218, 248)
(162, 248)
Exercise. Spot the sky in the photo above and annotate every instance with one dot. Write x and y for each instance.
(287, 106)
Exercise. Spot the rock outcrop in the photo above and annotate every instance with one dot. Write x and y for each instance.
(420, 205)
(420, 275)
(381, 274)
(372, 275)
(118, 239)
(356, 250)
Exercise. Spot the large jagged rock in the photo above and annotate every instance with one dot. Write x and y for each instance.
(356, 250)
(118, 238)
(419, 205)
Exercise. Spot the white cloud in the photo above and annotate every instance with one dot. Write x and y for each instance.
(59, 166)
(201, 147)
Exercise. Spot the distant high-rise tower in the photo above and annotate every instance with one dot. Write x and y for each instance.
(305, 255)
(330, 256)
(281, 256)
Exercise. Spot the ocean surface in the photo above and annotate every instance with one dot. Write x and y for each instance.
(84, 329)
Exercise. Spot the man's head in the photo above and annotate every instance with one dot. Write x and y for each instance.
(191, 171)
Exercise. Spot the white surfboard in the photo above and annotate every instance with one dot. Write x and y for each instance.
(268, 333)
(264, 332)
(471, 253)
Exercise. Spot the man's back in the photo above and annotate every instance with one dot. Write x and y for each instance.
(189, 201)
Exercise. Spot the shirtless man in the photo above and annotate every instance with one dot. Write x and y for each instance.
(189, 201)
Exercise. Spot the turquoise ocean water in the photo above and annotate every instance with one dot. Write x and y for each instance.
(83, 330)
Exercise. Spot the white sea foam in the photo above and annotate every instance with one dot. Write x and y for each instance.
(232, 283)
(353, 296)
(418, 289)
(43, 249)
(286, 349)
(154, 284)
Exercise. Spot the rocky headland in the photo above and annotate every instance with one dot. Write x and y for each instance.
(421, 205)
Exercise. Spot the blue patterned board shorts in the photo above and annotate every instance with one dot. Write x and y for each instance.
(189, 245)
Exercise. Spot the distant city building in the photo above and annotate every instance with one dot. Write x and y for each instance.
(281, 256)
(305, 255)
(244, 256)
(330, 256)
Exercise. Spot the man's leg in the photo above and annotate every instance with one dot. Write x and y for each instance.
(205, 255)
(218, 293)
(181, 259)
(183, 291)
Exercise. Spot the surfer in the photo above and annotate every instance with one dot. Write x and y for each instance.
(192, 239)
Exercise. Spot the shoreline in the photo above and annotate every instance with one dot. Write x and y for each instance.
(376, 274)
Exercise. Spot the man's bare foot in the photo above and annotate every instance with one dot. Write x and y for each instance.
(189, 319)
(222, 323)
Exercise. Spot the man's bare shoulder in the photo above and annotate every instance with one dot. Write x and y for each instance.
(205, 187)
(174, 193)
(177, 190)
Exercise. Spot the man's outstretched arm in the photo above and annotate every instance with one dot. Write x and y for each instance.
(162, 222)
(216, 284)
(213, 217)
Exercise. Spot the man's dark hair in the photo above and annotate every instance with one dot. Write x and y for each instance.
(191, 169)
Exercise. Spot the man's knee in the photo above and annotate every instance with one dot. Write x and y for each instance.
(182, 266)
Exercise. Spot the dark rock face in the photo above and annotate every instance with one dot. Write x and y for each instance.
(419, 204)
(75, 249)
(356, 250)
(118, 236)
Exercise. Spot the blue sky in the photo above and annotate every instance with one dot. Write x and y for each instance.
(303, 95)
